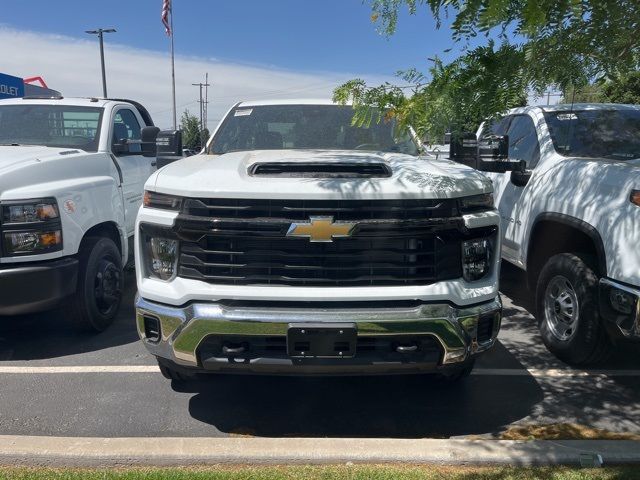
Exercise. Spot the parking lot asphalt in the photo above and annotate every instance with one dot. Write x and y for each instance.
(110, 388)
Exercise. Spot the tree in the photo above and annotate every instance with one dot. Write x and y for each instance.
(531, 45)
(623, 89)
(191, 134)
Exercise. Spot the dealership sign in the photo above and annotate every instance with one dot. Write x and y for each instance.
(11, 87)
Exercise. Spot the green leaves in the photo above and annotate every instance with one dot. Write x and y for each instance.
(563, 44)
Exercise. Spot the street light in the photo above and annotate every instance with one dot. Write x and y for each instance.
(100, 32)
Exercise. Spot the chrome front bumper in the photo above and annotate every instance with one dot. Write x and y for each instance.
(183, 330)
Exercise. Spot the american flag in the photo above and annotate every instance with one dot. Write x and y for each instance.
(166, 11)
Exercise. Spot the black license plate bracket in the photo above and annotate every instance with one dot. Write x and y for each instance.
(322, 340)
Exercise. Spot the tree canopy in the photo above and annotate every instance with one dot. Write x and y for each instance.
(530, 45)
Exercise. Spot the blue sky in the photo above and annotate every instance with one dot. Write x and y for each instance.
(306, 35)
(252, 49)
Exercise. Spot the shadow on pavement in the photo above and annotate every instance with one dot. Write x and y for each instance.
(49, 335)
(400, 406)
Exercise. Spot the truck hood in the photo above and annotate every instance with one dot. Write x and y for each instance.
(13, 157)
(228, 176)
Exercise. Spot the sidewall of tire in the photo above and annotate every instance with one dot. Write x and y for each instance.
(587, 342)
(86, 313)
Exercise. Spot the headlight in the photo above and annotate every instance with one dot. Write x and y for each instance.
(34, 242)
(161, 201)
(476, 203)
(30, 212)
(30, 227)
(161, 256)
(476, 259)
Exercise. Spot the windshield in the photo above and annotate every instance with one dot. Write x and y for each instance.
(50, 126)
(323, 127)
(613, 134)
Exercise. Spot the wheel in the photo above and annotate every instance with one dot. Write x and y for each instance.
(99, 290)
(567, 311)
(173, 375)
(458, 374)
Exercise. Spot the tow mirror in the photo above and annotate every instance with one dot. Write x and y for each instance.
(464, 149)
(148, 137)
(169, 147)
(489, 154)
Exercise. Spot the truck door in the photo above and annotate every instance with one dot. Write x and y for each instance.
(523, 145)
(135, 168)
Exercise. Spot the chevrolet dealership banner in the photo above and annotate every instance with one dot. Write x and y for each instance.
(10, 86)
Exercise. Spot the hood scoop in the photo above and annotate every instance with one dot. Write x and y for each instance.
(320, 170)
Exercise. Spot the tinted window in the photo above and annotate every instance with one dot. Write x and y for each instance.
(326, 127)
(611, 134)
(497, 126)
(60, 126)
(523, 140)
(125, 126)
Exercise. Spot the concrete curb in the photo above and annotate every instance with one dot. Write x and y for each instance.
(74, 451)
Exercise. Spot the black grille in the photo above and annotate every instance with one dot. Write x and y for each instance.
(245, 242)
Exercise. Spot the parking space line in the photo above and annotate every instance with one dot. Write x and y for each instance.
(82, 369)
(498, 372)
(554, 372)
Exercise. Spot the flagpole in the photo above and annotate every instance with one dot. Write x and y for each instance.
(173, 73)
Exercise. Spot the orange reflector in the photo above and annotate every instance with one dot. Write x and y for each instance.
(635, 197)
(49, 239)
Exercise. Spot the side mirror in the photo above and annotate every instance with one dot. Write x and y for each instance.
(520, 177)
(148, 137)
(169, 147)
(464, 149)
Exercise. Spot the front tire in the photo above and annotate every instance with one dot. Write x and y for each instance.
(100, 284)
(567, 311)
(458, 374)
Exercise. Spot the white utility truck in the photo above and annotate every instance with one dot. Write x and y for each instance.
(571, 219)
(72, 172)
(300, 243)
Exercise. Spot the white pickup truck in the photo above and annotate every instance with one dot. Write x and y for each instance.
(72, 172)
(299, 243)
(572, 221)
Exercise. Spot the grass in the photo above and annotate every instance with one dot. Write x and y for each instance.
(327, 472)
(562, 431)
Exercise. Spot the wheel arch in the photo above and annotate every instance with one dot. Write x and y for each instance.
(109, 230)
(554, 233)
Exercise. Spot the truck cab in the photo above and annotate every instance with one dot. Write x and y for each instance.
(72, 172)
(571, 220)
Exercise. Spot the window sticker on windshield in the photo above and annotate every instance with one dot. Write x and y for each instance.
(567, 116)
(243, 113)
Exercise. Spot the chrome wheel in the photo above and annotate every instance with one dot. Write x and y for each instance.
(561, 308)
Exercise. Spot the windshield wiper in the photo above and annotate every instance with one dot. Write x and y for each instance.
(11, 145)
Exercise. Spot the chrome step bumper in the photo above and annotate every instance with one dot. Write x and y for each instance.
(182, 330)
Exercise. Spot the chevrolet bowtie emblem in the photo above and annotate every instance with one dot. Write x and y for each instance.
(321, 229)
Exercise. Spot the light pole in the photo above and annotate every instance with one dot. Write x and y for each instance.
(100, 32)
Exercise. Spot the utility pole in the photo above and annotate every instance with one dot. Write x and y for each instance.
(202, 108)
(100, 32)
